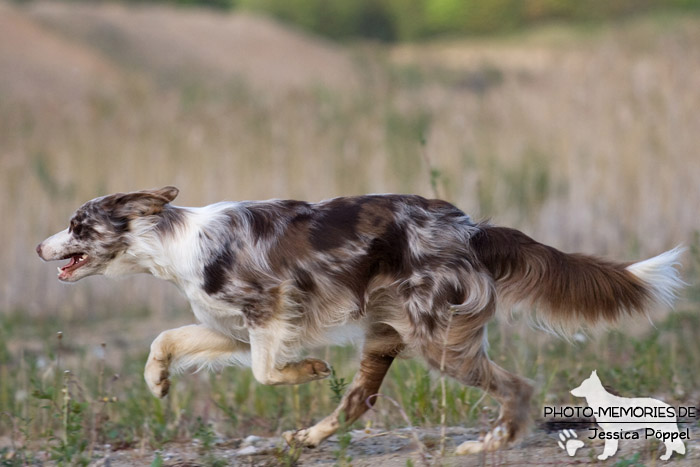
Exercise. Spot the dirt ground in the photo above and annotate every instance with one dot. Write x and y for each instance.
(398, 447)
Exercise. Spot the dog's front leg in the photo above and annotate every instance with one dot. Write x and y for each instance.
(188, 347)
(271, 351)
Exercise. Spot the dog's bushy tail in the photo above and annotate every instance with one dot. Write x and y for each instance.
(570, 290)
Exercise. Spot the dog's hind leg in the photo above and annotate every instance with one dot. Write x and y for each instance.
(470, 365)
(511, 391)
(187, 347)
(377, 356)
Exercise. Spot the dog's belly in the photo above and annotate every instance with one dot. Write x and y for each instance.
(352, 333)
(229, 325)
(221, 317)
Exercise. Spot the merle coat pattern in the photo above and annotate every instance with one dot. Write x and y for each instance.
(407, 275)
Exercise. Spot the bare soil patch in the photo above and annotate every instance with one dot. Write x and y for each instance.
(395, 448)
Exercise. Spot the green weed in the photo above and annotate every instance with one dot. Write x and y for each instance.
(288, 456)
(344, 438)
(337, 385)
(157, 460)
(633, 461)
(206, 436)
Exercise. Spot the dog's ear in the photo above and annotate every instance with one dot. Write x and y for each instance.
(167, 192)
(139, 203)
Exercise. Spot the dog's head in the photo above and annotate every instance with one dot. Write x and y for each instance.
(590, 386)
(99, 231)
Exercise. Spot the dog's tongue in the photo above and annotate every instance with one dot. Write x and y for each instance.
(73, 260)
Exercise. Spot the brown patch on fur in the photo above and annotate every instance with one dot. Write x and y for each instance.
(217, 270)
(296, 206)
(82, 223)
(387, 255)
(292, 245)
(375, 215)
(261, 304)
(573, 287)
(169, 219)
(304, 281)
(262, 222)
(448, 293)
(288, 252)
(335, 224)
(258, 308)
(443, 207)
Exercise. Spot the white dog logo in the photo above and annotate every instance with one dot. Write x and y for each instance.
(616, 415)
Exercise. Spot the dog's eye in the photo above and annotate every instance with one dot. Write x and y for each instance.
(75, 228)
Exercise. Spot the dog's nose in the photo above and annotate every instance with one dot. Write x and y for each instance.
(38, 250)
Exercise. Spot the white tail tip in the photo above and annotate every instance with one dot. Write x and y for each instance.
(661, 275)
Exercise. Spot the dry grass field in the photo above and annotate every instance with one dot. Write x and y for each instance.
(585, 138)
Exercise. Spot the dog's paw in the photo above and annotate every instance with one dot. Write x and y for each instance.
(315, 368)
(469, 447)
(568, 441)
(300, 438)
(492, 441)
(157, 379)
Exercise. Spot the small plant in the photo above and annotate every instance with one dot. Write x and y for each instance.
(70, 445)
(157, 461)
(338, 386)
(344, 440)
(288, 457)
(17, 455)
(631, 462)
(205, 434)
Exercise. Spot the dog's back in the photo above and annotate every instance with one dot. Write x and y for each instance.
(434, 256)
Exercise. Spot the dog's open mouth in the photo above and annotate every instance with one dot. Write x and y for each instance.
(77, 260)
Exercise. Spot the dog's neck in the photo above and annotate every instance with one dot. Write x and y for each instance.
(169, 252)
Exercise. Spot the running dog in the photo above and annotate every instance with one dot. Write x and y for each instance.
(411, 276)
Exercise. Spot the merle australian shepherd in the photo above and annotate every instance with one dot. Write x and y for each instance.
(409, 275)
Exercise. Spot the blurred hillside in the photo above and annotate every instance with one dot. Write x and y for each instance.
(585, 138)
(409, 20)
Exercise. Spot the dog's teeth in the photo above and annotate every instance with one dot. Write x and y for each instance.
(59, 270)
(83, 257)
